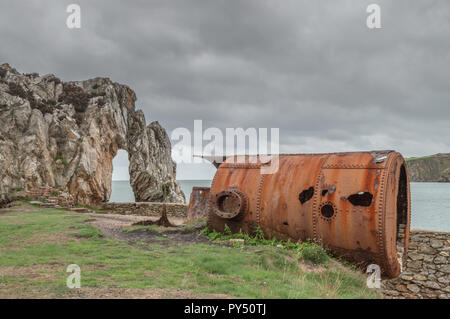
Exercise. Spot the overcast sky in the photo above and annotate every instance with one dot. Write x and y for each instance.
(311, 68)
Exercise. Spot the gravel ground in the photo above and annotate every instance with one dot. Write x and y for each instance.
(112, 226)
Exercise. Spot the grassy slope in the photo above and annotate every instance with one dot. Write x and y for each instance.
(39, 245)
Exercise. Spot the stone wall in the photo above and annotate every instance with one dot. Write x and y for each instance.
(146, 209)
(427, 271)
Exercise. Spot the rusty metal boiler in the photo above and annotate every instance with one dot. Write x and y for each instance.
(356, 204)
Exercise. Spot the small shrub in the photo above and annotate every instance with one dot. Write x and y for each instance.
(237, 244)
(205, 231)
(17, 90)
(187, 228)
(51, 102)
(2, 73)
(76, 96)
(313, 252)
(59, 157)
(212, 265)
(44, 106)
(101, 102)
(259, 234)
(227, 230)
(79, 118)
(151, 228)
(214, 235)
(33, 75)
(89, 233)
(55, 80)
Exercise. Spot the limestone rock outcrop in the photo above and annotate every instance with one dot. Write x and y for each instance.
(66, 134)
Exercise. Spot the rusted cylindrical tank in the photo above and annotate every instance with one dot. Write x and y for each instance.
(356, 204)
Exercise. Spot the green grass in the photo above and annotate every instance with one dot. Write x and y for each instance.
(307, 251)
(257, 271)
(150, 228)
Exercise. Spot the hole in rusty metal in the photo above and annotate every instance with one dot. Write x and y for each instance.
(327, 211)
(306, 195)
(361, 199)
(324, 192)
(285, 223)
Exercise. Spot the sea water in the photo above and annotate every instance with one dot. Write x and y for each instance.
(430, 202)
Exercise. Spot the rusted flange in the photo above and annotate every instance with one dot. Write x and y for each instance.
(229, 203)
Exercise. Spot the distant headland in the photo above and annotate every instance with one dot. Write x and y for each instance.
(433, 168)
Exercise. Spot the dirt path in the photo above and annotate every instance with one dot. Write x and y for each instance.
(113, 226)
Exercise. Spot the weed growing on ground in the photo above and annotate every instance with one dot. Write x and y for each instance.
(307, 250)
(150, 228)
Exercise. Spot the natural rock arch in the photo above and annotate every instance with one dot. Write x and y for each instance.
(121, 191)
(65, 135)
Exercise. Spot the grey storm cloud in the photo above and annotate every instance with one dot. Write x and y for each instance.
(311, 68)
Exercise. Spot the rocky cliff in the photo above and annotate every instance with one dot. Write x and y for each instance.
(434, 168)
(66, 134)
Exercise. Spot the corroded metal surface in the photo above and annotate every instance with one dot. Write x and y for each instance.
(355, 204)
(198, 203)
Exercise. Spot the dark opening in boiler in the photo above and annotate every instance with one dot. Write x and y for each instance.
(402, 197)
(361, 199)
(324, 192)
(327, 211)
(227, 204)
(402, 213)
(306, 195)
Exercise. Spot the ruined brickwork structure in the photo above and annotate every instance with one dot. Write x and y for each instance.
(151, 209)
(427, 271)
(198, 203)
(66, 134)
